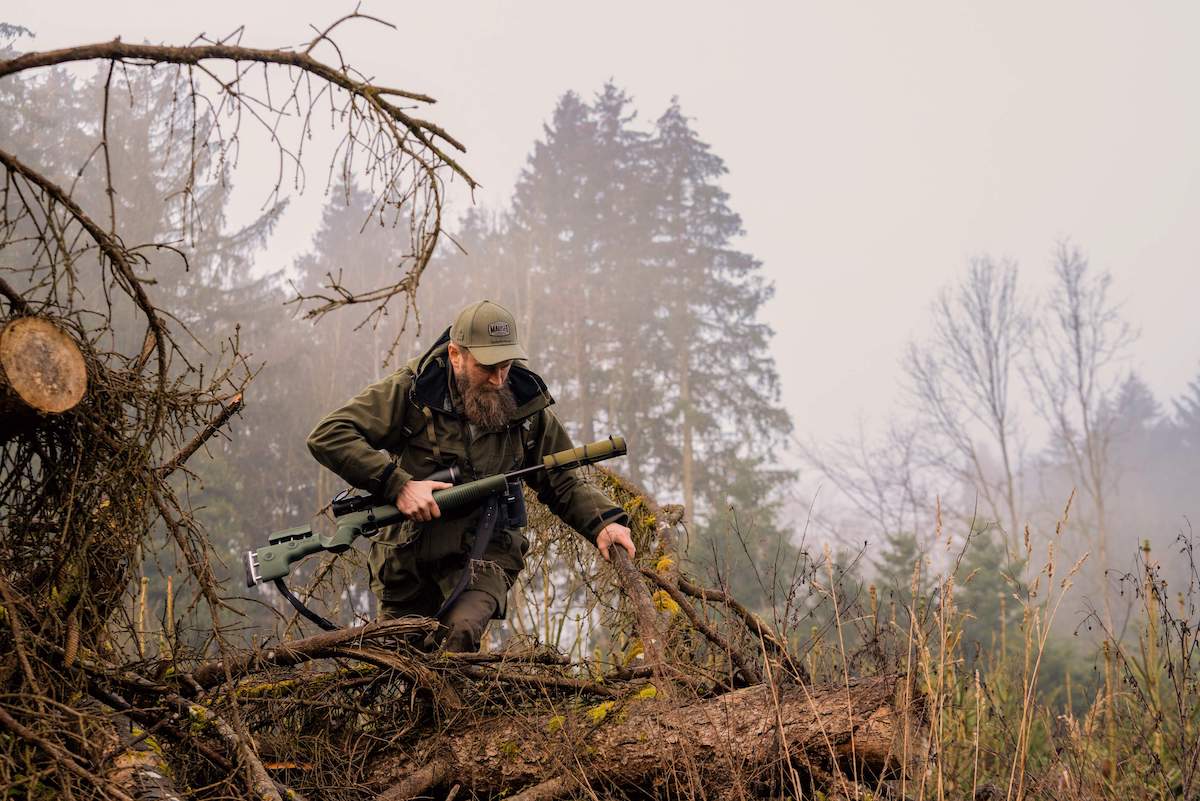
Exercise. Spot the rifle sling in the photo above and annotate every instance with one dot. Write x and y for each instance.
(302, 609)
(483, 535)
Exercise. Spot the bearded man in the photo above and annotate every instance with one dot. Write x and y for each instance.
(467, 403)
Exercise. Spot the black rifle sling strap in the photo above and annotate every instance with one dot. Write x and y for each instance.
(302, 609)
(483, 535)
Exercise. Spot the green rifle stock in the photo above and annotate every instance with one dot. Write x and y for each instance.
(363, 516)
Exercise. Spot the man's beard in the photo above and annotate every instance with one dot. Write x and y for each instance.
(486, 407)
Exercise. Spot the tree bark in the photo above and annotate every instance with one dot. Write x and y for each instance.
(870, 729)
(140, 768)
(42, 373)
(688, 468)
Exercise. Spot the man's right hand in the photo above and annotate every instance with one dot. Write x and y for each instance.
(416, 501)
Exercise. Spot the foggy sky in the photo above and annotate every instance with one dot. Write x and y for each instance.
(872, 148)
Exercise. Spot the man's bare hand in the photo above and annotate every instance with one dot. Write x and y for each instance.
(416, 499)
(615, 534)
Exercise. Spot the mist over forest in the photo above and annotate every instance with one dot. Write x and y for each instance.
(619, 252)
(1021, 448)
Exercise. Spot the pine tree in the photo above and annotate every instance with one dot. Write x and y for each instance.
(208, 281)
(899, 561)
(576, 230)
(1136, 408)
(742, 537)
(1187, 416)
(987, 598)
(553, 217)
(632, 286)
(478, 265)
(711, 328)
(161, 197)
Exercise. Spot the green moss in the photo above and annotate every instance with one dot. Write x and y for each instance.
(199, 721)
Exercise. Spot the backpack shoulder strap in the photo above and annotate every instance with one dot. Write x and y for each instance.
(415, 417)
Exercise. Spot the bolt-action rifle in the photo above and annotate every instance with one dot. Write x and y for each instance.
(364, 515)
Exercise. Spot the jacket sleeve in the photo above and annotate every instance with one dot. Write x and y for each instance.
(581, 506)
(350, 440)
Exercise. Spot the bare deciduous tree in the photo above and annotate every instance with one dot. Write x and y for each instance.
(1077, 344)
(881, 480)
(961, 379)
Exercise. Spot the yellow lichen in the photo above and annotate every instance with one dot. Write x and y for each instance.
(664, 564)
(649, 691)
(598, 713)
(555, 723)
(665, 602)
(199, 719)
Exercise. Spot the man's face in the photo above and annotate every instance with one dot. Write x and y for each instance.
(479, 376)
(484, 388)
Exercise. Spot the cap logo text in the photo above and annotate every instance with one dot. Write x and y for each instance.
(498, 329)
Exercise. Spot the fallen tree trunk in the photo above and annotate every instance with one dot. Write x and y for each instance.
(42, 373)
(755, 736)
(140, 769)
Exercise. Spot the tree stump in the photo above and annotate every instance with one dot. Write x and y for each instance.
(42, 374)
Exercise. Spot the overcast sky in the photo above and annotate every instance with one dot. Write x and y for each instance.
(872, 147)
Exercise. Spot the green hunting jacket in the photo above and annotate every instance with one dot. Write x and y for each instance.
(413, 419)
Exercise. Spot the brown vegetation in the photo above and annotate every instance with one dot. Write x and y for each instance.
(631, 680)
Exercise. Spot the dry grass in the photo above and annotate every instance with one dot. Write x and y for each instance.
(1001, 721)
(1005, 720)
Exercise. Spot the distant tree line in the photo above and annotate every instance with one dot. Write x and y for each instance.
(1012, 406)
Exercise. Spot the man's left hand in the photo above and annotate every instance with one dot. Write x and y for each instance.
(615, 534)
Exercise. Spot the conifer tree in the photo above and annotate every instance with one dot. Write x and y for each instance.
(554, 218)
(478, 265)
(724, 387)
(743, 539)
(901, 581)
(897, 562)
(1187, 416)
(577, 229)
(987, 598)
(632, 287)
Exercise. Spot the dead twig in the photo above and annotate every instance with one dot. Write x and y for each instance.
(723, 645)
(233, 407)
(60, 756)
(291, 653)
(752, 621)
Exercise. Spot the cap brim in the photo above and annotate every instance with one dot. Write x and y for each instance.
(488, 355)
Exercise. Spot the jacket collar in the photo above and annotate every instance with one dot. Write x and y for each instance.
(431, 386)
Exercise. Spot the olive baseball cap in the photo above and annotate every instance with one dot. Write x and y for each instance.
(489, 331)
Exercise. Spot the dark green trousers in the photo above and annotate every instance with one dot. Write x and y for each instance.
(463, 624)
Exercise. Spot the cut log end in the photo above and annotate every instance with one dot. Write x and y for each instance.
(41, 367)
